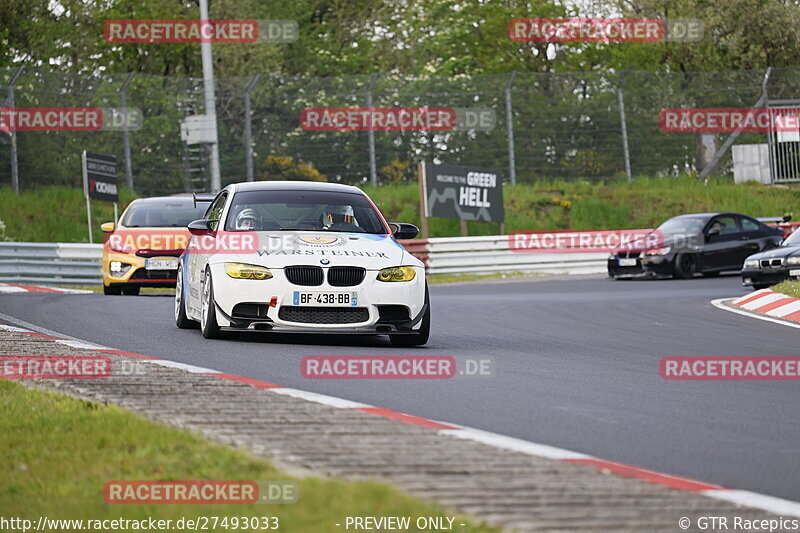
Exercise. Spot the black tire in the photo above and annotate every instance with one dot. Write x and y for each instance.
(418, 338)
(181, 320)
(759, 286)
(684, 266)
(208, 313)
(131, 291)
(714, 274)
(111, 290)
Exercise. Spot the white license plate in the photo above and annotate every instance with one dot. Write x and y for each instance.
(162, 263)
(794, 272)
(627, 262)
(326, 299)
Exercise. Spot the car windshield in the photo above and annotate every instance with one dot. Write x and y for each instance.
(166, 214)
(793, 239)
(682, 226)
(303, 210)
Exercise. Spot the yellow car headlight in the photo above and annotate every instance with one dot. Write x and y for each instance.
(245, 271)
(396, 274)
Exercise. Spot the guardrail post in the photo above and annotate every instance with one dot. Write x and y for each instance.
(512, 166)
(248, 126)
(373, 169)
(10, 103)
(624, 126)
(126, 141)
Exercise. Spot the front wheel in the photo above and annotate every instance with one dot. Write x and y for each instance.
(420, 337)
(684, 266)
(181, 320)
(208, 313)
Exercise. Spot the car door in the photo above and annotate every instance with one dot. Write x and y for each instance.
(204, 245)
(720, 250)
(750, 242)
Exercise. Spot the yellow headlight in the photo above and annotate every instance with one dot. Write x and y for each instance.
(245, 271)
(396, 274)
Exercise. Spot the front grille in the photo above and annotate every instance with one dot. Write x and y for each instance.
(628, 255)
(346, 276)
(143, 274)
(767, 263)
(307, 276)
(146, 252)
(324, 315)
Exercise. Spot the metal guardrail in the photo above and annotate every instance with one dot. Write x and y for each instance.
(489, 254)
(50, 263)
(79, 264)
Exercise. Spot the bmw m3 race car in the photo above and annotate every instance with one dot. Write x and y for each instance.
(301, 257)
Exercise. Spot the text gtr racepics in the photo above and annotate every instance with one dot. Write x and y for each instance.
(301, 257)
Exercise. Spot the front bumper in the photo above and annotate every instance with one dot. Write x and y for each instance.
(645, 267)
(382, 307)
(761, 276)
(135, 275)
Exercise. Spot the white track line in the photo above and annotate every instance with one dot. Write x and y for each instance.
(324, 399)
(720, 304)
(515, 445)
(181, 366)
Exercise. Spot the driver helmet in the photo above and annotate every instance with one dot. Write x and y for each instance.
(248, 219)
(338, 213)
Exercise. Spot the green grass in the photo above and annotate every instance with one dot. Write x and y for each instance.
(58, 453)
(53, 214)
(789, 288)
(58, 214)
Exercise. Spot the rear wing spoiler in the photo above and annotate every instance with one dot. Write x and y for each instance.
(202, 198)
(775, 220)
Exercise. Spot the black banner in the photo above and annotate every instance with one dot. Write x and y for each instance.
(464, 193)
(100, 177)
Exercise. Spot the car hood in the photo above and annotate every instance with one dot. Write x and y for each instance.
(285, 248)
(783, 251)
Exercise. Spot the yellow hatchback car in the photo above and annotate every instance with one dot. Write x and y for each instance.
(142, 250)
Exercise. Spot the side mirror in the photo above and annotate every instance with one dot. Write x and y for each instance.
(401, 230)
(107, 227)
(201, 227)
(712, 232)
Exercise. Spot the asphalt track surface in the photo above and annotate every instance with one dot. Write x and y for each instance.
(577, 366)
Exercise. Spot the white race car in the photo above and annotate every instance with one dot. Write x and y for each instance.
(304, 257)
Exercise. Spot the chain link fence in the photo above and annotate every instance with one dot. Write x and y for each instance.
(562, 125)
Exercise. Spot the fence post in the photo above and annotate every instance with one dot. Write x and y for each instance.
(373, 170)
(248, 127)
(624, 126)
(761, 102)
(512, 165)
(126, 141)
(10, 103)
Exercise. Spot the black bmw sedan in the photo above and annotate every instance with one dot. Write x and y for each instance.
(773, 266)
(704, 243)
